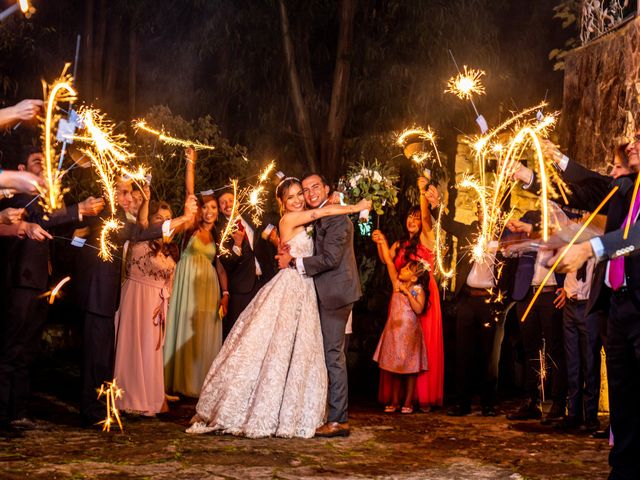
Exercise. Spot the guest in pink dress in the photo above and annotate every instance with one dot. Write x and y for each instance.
(401, 351)
(140, 322)
(420, 246)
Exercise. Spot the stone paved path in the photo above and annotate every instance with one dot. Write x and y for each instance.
(418, 446)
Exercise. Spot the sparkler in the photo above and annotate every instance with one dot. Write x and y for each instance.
(60, 91)
(169, 140)
(424, 135)
(542, 358)
(566, 249)
(56, 289)
(465, 85)
(111, 160)
(633, 202)
(111, 393)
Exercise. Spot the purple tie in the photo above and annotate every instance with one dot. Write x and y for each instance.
(616, 266)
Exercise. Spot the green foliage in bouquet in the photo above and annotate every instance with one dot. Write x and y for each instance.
(375, 181)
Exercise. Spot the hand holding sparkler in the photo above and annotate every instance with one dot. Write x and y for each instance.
(575, 257)
(21, 182)
(517, 226)
(432, 196)
(9, 216)
(33, 231)
(551, 151)
(23, 111)
(91, 206)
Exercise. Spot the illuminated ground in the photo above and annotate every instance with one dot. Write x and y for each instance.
(418, 446)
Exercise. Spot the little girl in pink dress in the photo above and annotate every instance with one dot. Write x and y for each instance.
(401, 350)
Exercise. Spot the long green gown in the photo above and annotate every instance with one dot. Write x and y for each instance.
(194, 328)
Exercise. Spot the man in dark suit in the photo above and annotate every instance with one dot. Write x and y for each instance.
(335, 273)
(26, 265)
(97, 285)
(543, 324)
(479, 315)
(250, 263)
(616, 292)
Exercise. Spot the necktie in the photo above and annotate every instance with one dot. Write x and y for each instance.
(616, 266)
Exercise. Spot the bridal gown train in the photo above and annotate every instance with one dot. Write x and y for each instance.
(270, 376)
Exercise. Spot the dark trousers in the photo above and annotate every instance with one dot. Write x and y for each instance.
(21, 329)
(582, 352)
(479, 333)
(623, 373)
(98, 358)
(544, 322)
(237, 303)
(333, 323)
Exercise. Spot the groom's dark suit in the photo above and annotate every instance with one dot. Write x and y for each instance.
(335, 273)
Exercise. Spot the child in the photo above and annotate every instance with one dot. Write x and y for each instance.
(401, 350)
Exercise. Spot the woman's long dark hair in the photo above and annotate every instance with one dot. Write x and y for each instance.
(410, 243)
(168, 249)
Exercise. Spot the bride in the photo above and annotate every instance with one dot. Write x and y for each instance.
(270, 376)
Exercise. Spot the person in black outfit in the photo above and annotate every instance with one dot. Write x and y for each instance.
(24, 282)
(250, 263)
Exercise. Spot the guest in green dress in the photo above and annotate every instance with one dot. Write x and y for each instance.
(194, 327)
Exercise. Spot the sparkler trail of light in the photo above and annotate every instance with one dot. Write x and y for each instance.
(60, 91)
(177, 142)
(542, 358)
(425, 135)
(465, 85)
(630, 214)
(566, 249)
(56, 289)
(439, 254)
(245, 200)
(111, 393)
(24, 6)
(480, 247)
(230, 224)
(106, 246)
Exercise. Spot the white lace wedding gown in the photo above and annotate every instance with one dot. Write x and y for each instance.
(270, 376)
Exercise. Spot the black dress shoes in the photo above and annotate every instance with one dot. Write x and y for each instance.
(529, 410)
(459, 410)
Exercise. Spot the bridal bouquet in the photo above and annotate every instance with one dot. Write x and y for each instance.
(374, 181)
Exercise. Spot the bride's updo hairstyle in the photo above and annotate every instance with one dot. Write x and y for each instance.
(283, 189)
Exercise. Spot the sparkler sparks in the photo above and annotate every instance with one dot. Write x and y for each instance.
(106, 246)
(169, 140)
(111, 393)
(245, 200)
(60, 91)
(466, 84)
(410, 135)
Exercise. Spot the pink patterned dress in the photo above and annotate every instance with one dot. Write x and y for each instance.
(140, 330)
(401, 348)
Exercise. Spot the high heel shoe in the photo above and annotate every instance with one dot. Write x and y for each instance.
(390, 409)
(406, 410)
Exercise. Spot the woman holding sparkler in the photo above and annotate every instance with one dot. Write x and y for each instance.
(140, 320)
(194, 328)
(270, 377)
(418, 245)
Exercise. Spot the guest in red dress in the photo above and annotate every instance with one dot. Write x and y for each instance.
(419, 244)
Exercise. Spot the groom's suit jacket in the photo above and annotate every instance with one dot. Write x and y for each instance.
(333, 265)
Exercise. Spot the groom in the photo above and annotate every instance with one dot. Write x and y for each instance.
(335, 273)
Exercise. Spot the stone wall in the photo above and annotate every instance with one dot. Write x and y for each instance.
(601, 95)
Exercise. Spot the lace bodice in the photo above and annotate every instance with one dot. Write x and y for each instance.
(146, 266)
(301, 244)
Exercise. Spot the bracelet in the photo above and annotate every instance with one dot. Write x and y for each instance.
(225, 292)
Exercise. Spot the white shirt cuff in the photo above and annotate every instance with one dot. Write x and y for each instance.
(563, 162)
(300, 266)
(527, 185)
(79, 217)
(598, 248)
(237, 250)
(166, 229)
(267, 231)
